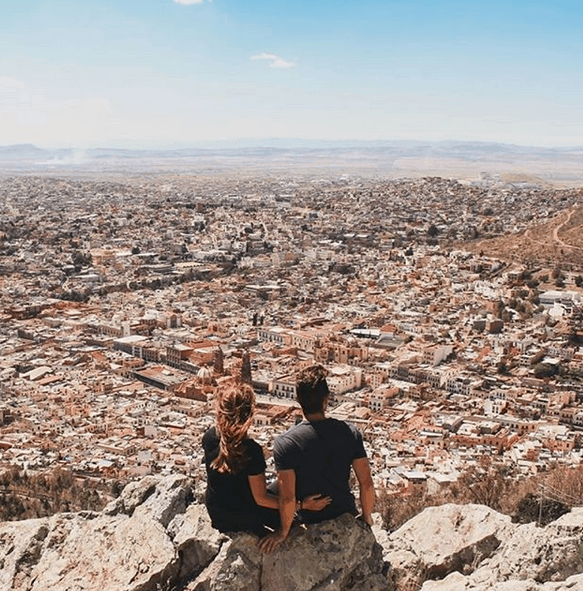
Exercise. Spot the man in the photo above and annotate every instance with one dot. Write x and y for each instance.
(315, 457)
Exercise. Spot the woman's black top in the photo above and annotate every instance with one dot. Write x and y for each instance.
(228, 498)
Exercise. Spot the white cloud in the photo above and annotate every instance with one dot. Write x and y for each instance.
(279, 63)
(276, 61)
(187, 2)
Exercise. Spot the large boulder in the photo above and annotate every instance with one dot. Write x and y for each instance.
(126, 547)
(195, 540)
(445, 539)
(337, 555)
(152, 539)
(543, 554)
(85, 552)
(236, 568)
(341, 554)
(530, 559)
(459, 582)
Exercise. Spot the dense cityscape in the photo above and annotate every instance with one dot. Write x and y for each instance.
(448, 314)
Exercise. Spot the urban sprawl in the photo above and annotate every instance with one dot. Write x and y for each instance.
(126, 304)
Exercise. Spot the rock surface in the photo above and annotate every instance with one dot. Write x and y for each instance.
(154, 538)
(445, 539)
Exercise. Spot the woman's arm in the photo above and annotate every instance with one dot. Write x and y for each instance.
(263, 498)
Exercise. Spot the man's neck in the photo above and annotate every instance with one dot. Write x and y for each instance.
(315, 417)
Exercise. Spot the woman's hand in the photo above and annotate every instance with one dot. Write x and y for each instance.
(315, 502)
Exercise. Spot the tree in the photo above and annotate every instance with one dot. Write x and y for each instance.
(502, 368)
(487, 485)
(533, 507)
(432, 231)
(544, 370)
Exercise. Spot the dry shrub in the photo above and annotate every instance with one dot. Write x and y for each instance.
(494, 486)
(26, 496)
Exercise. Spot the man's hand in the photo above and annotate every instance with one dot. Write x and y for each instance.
(271, 542)
(367, 520)
(315, 502)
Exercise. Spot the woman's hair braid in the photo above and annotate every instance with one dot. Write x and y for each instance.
(234, 417)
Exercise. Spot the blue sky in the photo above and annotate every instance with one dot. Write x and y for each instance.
(162, 73)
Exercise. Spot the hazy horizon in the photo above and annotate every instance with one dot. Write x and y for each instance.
(288, 144)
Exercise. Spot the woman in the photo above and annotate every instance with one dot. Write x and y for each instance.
(236, 497)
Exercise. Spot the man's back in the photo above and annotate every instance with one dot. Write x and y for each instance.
(321, 454)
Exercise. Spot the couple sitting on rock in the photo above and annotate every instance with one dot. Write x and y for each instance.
(313, 461)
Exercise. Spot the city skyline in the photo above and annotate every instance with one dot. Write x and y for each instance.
(169, 73)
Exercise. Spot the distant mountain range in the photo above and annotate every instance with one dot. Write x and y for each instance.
(274, 148)
(397, 159)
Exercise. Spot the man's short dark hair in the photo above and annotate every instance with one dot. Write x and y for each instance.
(312, 389)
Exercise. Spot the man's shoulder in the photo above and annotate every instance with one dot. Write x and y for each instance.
(290, 433)
(342, 426)
(290, 437)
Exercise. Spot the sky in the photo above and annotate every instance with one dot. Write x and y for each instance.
(179, 73)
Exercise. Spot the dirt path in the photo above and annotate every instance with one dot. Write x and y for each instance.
(559, 227)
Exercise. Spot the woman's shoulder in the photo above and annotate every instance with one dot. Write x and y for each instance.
(210, 437)
(252, 445)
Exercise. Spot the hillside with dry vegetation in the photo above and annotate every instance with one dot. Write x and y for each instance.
(558, 241)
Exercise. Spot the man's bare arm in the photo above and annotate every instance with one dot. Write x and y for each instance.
(367, 495)
(286, 483)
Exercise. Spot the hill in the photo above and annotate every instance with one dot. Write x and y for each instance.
(558, 241)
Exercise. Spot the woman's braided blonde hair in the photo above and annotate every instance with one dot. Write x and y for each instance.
(235, 407)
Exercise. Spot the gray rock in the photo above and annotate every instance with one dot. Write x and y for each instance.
(444, 539)
(150, 540)
(552, 553)
(125, 550)
(134, 494)
(458, 582)
(341, 554)
(236, 568)
(21, 545)
(130, 554)
(530, 559)
(195, 540)
(169, 498)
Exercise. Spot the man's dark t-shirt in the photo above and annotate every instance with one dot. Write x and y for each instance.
(321, 454)
(229, 500)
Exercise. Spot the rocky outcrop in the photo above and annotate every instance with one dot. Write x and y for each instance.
(154, 537)
(442, 540)
(473, 548)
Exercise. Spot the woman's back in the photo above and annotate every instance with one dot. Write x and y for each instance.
(229, 499)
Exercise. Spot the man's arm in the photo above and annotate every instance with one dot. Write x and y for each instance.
(286, 483)
(367, 495)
